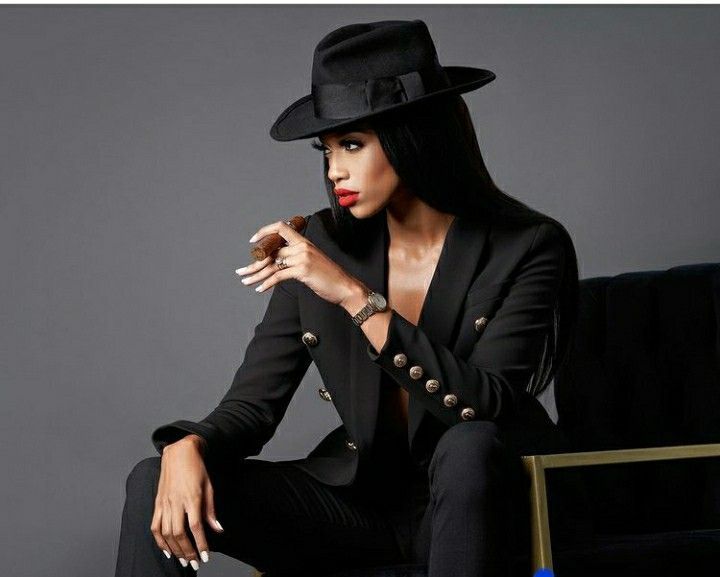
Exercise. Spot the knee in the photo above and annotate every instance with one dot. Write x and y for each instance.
(144, 474)
(468, 442)
(467, 453)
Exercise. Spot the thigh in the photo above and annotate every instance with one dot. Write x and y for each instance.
(279, 518)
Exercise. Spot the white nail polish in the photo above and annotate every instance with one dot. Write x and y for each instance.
(219, 526)
(182, 561)
(167, 553)
(194, 564)
(258, 288)
(204, 556)
(241, 270)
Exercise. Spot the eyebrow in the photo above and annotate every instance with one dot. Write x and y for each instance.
(344, 134)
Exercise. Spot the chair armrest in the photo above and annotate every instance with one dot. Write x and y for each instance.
(535, 465)
(554, 461)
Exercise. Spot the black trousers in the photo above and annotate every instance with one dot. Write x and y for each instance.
(466, 515)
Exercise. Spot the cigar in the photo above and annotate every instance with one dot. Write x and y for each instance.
(269, 245)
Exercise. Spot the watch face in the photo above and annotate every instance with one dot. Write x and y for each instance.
(378, 301)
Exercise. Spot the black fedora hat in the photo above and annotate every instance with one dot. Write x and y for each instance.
(363, 69)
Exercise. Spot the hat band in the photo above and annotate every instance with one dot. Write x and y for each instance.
(356, 98)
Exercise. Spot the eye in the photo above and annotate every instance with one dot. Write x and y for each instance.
(350, 142)
(317, 145)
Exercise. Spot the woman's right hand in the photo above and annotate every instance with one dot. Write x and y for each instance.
(184, 490)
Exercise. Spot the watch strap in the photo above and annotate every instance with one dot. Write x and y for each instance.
(364, 313)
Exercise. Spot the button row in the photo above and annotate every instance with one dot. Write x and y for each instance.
(433, 385)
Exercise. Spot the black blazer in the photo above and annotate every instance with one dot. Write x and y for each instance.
(480, 335)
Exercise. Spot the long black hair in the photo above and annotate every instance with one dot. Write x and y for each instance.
(433, 147)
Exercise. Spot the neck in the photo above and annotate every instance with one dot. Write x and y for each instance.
(414, 224)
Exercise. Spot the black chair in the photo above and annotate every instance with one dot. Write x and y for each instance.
(639, 401)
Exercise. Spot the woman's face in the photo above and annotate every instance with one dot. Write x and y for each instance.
(357, 162)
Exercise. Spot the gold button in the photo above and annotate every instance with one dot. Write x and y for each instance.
(351, 445)
(432, 386)
(324, 394)
(310, 339)
(450, 400)
(480, 323)
(416, 372)
(400, 360)
(467, 413)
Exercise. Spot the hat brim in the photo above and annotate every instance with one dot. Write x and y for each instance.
(298, 120)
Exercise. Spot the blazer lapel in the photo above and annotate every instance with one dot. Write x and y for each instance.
(454, 273)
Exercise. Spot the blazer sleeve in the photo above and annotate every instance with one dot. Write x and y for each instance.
(276, 359)
(503, 358)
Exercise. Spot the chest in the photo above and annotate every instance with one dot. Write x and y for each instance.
(408, 282)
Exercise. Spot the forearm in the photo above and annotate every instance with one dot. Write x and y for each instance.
(375, 327)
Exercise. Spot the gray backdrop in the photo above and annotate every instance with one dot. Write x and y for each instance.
(136, 162)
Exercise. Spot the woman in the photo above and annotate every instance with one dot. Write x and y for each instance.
(435, 307)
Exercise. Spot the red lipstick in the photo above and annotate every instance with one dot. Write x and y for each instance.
(346, 197)
(344, 191)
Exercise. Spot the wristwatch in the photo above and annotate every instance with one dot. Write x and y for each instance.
(376, 304)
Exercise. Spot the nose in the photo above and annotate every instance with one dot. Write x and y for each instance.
(335, 171)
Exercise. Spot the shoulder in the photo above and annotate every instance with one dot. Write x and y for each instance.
(317, 224)
(511, 247)
(319, 232)
(524, 238)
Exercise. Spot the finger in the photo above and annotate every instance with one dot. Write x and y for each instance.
(156, 530)
(195, 524)
(254, 266)
(265, 273)
(280, 227)
(260, 275)
(180, 534)
(210, 509)
(272, 266)
(274, 279)
(168, 532)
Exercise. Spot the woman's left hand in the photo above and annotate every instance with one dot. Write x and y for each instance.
(305, 263)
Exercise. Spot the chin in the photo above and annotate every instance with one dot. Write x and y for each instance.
(362, 214)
